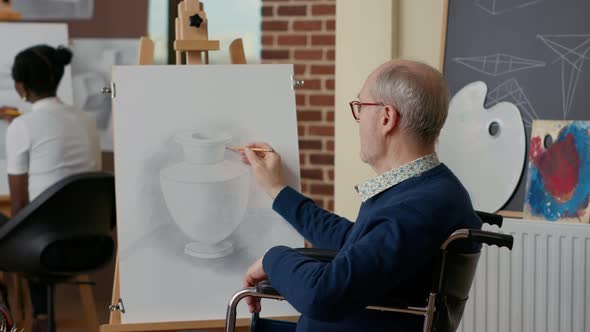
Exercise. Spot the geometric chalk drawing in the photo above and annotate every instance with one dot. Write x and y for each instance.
(572, 50)
(511, 91)
(497, 7)
(491, 165)
(498, 64)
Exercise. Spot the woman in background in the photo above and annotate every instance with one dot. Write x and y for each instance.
(47, 144)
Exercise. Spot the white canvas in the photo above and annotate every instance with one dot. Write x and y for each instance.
(91, 71)
(54, 9)
(14, 38)
(190, 225)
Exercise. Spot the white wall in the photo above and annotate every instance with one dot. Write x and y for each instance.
(369, 33)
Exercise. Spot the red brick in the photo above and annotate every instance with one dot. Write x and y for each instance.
(302, 159)
(307, 25)
(312, 84)
(318, 10)
(330, 116)
(330, 55)
(321, 100)
(292, 40)
(308, 55)
(329, 84)
(275, 54)
(310, 144)
(330, 175)
(331, 25)
(301, 131)
(312, 174)
(330, 206)
(322, 189)
(321, 159)
(267, 10)
(304, 187)
(330, 146)
(299, 69)
(323, 40)
(322, 70)
(275, 26)
(300, 100)
(309, 116)
(292, 10)
(275, 0)
(321, 130)
(268, 40)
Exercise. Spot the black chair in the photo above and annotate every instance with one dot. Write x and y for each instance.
(448, 295)
(64, 232)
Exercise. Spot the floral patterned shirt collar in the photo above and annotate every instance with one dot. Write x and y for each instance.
(397, 175)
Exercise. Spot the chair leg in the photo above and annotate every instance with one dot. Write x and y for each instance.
(88, 304)
(50, 308)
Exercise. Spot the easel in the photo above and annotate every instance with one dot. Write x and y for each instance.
(192, 35)
(192, 43)
(7, 13)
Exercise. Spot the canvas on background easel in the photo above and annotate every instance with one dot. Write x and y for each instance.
(192, 45)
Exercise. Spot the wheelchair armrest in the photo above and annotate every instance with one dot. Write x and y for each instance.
(322, 255)
(490, 218)
(491, 238)
(264, 287)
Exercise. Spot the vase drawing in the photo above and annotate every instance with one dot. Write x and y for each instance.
(206, 194)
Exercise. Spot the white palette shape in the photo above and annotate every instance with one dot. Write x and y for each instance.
(485, 148)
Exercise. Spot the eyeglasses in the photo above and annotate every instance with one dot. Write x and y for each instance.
(356, 107)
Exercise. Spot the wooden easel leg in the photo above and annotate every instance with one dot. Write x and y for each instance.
(193, 58)
(88, 304)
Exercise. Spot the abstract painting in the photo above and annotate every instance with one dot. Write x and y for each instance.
(558, 182)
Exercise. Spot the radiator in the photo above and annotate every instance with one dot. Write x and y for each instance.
(543, 284)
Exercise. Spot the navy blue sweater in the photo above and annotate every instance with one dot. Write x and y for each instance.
(389, 250)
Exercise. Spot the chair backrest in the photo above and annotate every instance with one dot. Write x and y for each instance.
(63, 232)
(457, 274)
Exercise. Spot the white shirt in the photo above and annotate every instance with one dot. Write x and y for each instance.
(50, 143)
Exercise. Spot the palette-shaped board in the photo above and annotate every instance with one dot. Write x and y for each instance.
(485, 148)
(558, 180)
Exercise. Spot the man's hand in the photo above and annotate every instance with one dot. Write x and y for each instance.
(8, 113)
(266, 167)
(254, 275)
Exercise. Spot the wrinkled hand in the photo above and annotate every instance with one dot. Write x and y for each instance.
(266, 167)
(8, 113)
(254, 275)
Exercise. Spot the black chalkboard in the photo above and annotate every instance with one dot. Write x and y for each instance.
(533, 53)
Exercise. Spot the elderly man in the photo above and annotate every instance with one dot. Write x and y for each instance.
(408, 210)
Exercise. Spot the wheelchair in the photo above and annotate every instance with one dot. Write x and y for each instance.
(444, 306)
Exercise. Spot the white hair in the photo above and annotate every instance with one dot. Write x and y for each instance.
(420, 94)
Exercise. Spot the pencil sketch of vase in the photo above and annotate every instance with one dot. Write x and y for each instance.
(206, 195)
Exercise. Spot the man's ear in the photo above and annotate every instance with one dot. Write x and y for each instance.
(390, 119)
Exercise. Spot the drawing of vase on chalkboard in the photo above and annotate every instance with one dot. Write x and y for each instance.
(206, 195)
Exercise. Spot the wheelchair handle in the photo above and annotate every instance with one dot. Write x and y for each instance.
(492, 238)
(490, 218)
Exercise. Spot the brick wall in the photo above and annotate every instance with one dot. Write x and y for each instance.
(302, 32)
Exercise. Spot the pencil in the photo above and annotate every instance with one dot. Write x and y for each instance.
(242, 148)
(11, 111)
